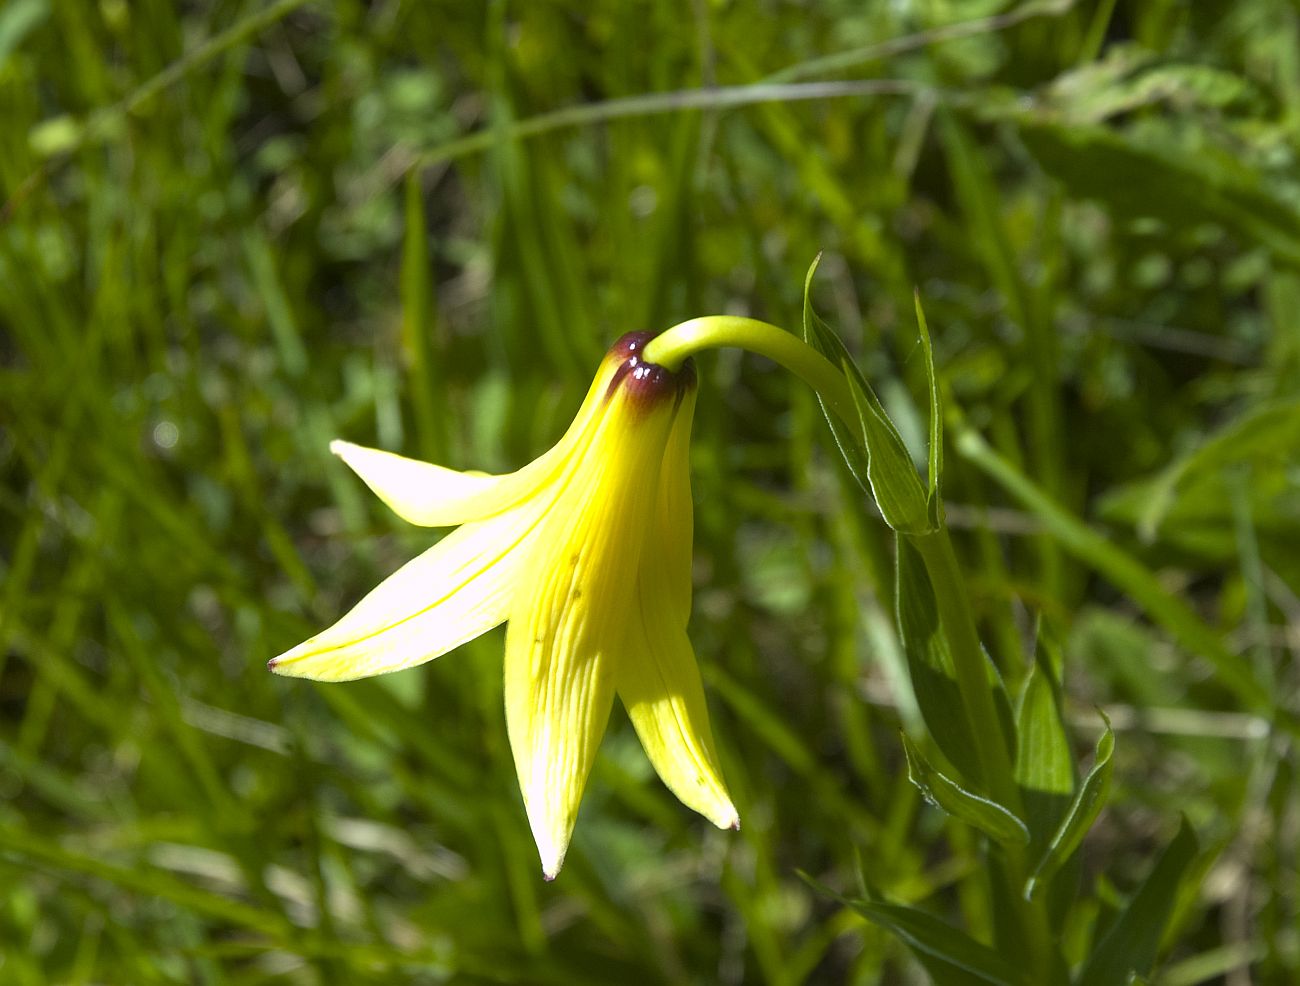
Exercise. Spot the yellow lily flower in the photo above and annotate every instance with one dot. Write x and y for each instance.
(586, 552)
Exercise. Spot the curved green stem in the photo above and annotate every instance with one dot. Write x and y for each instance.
(671, 348)
(674, 347)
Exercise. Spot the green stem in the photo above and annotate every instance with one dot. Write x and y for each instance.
(672, 347)
(970, 667)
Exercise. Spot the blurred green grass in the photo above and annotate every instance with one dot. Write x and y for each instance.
(216, 255)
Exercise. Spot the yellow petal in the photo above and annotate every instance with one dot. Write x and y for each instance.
(658, 679)
(672, 531)
(429, 495)
(433, 496)
(458, 589)
(570, 620)
(659, 683)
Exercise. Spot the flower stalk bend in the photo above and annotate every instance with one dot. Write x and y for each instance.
(673, 346)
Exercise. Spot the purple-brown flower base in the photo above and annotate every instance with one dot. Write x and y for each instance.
(646, 384)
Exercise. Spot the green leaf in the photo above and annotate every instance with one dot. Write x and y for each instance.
(1268, 431)
(1162, 179)
(1044, 767)
(877, 456)
(1088, 802)
(1099, 552)
(991, 818)
(934, 493)
(418, 321)
(929, 662)
(949, 955)
(1130, 944)
(1131, 76)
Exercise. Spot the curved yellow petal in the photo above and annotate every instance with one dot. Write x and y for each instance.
(657, 676)
(461, 587)
(433, 496)
(672, 530)
(429, 495)
(570, 620)
(659, 683)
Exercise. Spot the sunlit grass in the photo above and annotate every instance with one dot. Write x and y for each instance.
(232, 233)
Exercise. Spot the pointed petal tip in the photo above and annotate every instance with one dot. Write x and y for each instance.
(551, 849)
(271, 664)
(339, 447)
(727, 819)
(552, 861)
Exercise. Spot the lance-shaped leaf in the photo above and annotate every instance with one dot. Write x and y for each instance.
(1130, 944)
(1044, 766)
(991, 818)
(934, 494)
(950, 956)
(1088, 802)
(930, 665)
(875, 453)
(929, 662)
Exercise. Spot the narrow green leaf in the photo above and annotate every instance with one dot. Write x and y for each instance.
(1163, 180)
(934, 494)
(991, 818)
(1044, 767)
(1129, 946)
(148, 881)
(929, 662)
(877, 455)
(820, 336)
(949, 955)
(418, 322)
(1267, 431)
(275, 302)
(1088, 802)
(1129, 574)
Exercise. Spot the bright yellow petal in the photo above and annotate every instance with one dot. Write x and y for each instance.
(672, 531)
(658, 679)
(429, 495)
(458, 589)
(433, 496)
(570, 619)
(659, 683)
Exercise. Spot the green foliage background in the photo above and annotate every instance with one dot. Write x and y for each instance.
(231, 231)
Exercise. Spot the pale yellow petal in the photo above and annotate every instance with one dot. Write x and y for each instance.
(429, 495)
(433, 496)
(558, 702)
(461, 587)
(571, 620)
(659, 683)
(672, 530)
(658, 679)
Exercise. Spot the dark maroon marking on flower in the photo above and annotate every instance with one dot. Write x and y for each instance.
(646, 382)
